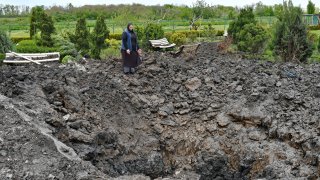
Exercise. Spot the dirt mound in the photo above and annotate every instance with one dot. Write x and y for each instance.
(211, 116)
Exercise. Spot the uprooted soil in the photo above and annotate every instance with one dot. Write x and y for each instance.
(208, 116)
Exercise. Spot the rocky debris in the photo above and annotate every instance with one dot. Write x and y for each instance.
(173, 119)
(193, 84)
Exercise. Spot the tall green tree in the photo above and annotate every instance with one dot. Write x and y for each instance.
(5, 43)
(246, 16)
(100, 33)
(37, 13)
(197, 12)
(290, 39)
(81, 36)
(311, 7)
(47, 28)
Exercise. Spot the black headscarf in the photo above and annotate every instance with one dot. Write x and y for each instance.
(129, 24)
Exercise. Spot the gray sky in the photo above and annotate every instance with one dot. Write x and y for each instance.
(302, 3)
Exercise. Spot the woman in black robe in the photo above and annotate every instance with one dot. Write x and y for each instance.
(130, 50)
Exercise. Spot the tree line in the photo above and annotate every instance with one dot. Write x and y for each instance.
(155, 12)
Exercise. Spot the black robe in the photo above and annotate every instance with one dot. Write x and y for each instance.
(131, 60)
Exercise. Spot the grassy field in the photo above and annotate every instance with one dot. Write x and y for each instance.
(19, 27)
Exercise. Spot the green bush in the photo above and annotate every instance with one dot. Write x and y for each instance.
(30, 46)
(313, 38)
(220, 32)
(113, 43)
(18, 39)
(252, 39)
(315, 27)
(246, 16)
(110, 53)
(318, 44)
(67, 59)
(178, 38)
(116, 36)
(5, 43)
(290, 38)
(151, 31)
(168, 35)
(2, 56)
(65, 47)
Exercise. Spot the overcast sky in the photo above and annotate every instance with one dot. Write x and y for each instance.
(302, 3)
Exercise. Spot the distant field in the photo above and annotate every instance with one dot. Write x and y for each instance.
(19, 27)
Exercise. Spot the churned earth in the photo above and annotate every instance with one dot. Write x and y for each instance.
(204, 116)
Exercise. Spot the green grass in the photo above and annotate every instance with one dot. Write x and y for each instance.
(19, 27)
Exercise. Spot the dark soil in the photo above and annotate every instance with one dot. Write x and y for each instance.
(203, 116)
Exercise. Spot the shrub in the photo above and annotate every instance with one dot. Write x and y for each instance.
(246, 16)
(65, 47)
(319, 44)
(116, 36)
(67, 59)
(220, 32)
(99, 34)
(313, 38)
(30, 46)
(5, 43)
(178, 38)
(81, 37)
(315, 27)
(290, 38)
(18, 39)
(113, 43)
(110, 53)
(252, 39)
(2, 56)
(151, 31)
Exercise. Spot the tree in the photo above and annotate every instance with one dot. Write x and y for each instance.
(151, 31)
(290, 39)
(197, 12)
(252, 39)
(311, 8)
(40, 20)
(46, 28)
(37, 13)
(246, 16)
(100, 33)
(5, 43)
(81, 36)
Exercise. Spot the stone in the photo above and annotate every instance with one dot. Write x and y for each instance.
(257, 135)
(56, 122)
(193, 84)
(184, 111)
(3, 153)
(239, 88)
(223, 120)
(167, 109)
(66, 117)
(278, 84)
(168, 122)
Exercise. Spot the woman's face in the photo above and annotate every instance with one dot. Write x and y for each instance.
(131, 27)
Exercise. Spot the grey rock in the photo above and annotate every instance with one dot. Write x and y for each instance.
(223, 120)
(257, 135)
(193, 84)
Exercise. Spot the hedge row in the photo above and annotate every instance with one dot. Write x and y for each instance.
(18, 39)
(30, 46)
(315, 27)
(187, 33)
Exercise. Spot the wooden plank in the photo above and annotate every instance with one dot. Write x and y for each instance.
(37, 54)
(24, 61)
(25, 58)
(168, 46)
